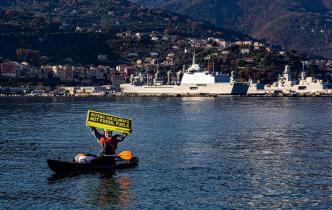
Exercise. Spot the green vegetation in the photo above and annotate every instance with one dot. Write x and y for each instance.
(304, 25)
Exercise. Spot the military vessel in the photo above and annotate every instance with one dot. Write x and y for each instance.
(191, 81)
(305, 86)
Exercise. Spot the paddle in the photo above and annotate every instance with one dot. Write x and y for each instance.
(125, 155)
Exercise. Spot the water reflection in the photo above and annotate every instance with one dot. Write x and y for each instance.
(110, 190)
(107, 190)
(197, 98)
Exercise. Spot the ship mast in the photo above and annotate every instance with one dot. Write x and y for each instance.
(303, 71)
(147, 76)
(194, 58)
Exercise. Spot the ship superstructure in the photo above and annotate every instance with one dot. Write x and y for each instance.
(305, 86)
(194, 81)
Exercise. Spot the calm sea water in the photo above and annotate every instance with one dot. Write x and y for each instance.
(195, 153)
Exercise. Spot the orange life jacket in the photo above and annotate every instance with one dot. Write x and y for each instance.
(103, 139)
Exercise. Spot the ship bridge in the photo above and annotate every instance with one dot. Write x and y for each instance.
(194, 75)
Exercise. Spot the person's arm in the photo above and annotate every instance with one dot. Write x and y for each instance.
(119, 137)
(95, 132)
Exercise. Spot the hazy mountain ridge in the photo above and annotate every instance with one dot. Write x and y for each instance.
(304, 25)
(83, 29)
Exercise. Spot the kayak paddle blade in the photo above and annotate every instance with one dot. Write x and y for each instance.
(125, 155)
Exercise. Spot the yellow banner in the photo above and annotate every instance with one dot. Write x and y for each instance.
(108, 122)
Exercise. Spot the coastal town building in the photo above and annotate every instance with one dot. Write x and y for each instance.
(118, 79)
(225, 52)
(170, 59)
(64, 73)
(247, 43)
(10, 69)
(245, 51)
(84, 91)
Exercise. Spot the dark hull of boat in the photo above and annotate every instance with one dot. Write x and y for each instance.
(96, 166)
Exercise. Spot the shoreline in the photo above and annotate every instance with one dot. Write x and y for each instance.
(167, 96)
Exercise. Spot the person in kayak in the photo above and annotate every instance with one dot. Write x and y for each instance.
(108, 143)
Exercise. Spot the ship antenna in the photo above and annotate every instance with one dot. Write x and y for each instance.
(157, 65)
(147, 76)
(194, 58)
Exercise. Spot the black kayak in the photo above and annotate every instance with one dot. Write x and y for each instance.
(59, 166)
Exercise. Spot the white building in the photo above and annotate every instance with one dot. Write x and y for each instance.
(245, 51)
(86, 91)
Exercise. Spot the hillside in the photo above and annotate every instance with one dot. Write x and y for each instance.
(80, 30)
(304, 25)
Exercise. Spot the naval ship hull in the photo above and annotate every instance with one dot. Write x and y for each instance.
(186, 89)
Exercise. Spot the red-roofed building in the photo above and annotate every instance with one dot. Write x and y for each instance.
(8, 69)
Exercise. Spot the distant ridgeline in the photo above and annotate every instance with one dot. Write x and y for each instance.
(304, 25)
(80, 30)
